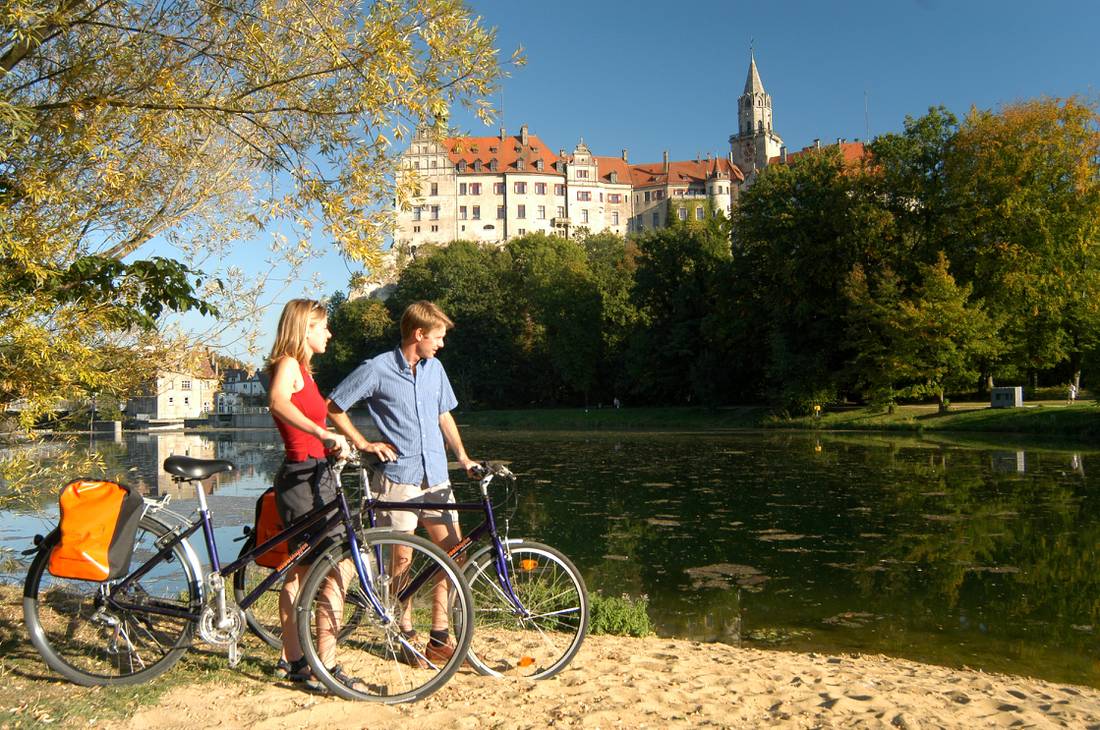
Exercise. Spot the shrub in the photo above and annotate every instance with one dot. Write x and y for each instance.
(619, 615)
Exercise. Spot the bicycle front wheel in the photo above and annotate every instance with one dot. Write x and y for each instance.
(89, 641)
(535, 629)
(362, 654)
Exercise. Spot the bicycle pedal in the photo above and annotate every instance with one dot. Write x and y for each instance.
(234, 654)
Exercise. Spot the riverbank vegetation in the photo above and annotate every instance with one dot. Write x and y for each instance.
(1041, 418)
(955, 255)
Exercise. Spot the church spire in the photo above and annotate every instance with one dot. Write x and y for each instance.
(753, 84)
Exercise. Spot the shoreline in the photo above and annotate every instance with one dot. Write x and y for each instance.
(663, 683)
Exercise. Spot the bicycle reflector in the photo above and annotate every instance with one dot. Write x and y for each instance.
(526, 661)
(528, 564)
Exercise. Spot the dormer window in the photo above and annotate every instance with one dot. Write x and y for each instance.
(462, 165)
(477, 165)
(614, 176)
(493, 164)
(520, 164)
(538, 165)
(492, 149)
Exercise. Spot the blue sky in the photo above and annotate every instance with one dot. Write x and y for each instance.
(652, 76)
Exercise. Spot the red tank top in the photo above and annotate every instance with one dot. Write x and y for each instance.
(299, 444)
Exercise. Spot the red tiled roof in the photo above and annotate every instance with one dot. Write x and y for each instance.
(852, 152)
(506, 153)
(606, 165)
(682, 172)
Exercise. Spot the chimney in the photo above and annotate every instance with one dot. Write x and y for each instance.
(561, 153)
(503, 134)
(817, 143)
(666, 162)
(783, 154)
(839, 141)
(624, 155)
(523, 135)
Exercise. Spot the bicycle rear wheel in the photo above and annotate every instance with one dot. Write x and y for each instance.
(418, 587)
(263, 615)
(540, 639)
(89, 642)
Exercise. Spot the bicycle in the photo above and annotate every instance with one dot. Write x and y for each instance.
(531, 608)
(133, 629)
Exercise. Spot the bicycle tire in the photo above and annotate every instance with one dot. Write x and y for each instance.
(550, 588)
(263, 615)
(375, 652)
(89, 644)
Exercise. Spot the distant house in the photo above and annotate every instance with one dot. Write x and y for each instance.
(237, 380)
(176, 395)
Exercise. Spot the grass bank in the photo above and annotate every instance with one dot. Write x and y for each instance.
(1050, 418)
(1045, 418)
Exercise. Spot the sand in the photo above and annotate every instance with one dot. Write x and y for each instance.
(663, 683)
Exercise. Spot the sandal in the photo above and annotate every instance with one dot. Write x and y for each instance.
(347, 680)
(299, 673)
(282, 669)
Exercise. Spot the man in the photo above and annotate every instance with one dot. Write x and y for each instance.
(410, 400)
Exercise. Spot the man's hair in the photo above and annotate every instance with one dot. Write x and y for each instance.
(423, 315)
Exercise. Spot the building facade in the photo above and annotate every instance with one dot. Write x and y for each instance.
(492, 189)
(174, 396)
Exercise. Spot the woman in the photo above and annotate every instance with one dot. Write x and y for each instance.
(302, 482)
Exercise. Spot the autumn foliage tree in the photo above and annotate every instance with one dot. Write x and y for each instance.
(204, 125)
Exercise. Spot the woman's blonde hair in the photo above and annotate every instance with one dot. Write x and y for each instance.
(290, 338)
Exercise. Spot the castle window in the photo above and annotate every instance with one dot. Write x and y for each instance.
(682, 214)
(477, 212)
(699, 213)
(540, 188)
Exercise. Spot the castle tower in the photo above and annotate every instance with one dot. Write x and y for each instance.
(755, 141)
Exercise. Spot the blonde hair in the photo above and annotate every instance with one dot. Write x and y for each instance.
(423, 315)
(290, 338)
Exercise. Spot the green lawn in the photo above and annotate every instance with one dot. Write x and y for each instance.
(1052, 418)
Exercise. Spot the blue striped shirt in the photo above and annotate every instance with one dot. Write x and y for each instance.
(406, 410)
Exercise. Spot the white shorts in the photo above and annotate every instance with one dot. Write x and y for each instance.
(388, 490)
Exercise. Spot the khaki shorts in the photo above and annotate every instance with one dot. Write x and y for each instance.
(388, 490)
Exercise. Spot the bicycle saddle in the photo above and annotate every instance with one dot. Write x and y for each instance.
(190, 468)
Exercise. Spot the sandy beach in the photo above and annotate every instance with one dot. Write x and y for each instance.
(664, 683)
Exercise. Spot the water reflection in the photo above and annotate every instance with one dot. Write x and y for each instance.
(940, 551)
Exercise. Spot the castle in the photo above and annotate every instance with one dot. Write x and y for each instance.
(491, 189)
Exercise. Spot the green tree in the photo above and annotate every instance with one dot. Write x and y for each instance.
(1026, 182)
(676, 355)
(798, 232)
(929, 341)
(559, 307)
(612, 261)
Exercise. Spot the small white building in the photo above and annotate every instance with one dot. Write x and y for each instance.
(176, 396)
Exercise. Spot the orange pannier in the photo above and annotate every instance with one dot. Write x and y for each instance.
(99, 521)
(268, 525)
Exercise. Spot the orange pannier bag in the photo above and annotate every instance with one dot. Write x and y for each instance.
(99, 522)
(268, 525)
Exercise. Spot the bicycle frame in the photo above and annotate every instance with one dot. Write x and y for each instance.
(336, 511)
(488, 525)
